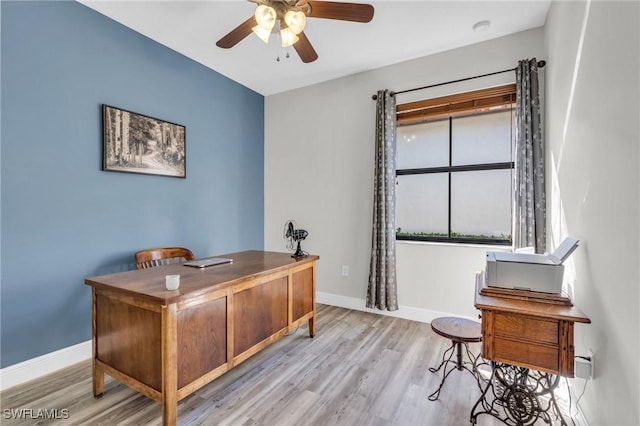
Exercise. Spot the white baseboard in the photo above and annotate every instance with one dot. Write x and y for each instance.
(48, 363)
(406, 312)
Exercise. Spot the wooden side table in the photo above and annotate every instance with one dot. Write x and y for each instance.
(461, 332)
(529, 341)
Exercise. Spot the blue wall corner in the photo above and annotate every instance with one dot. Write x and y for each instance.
(63, 219)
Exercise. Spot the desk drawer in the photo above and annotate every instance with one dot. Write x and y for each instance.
(526, 328)
(523, 354)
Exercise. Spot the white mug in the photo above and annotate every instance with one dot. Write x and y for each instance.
(172, 282)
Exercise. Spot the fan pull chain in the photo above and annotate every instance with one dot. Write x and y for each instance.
(287, 56)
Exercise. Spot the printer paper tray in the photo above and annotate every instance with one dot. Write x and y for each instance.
(532, 296)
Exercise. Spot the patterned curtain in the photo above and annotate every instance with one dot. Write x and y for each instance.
(382, 291)
(530, 199)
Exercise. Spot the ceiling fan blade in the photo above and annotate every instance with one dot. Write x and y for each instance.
(236, 35)
(355, 12)
(304, 48)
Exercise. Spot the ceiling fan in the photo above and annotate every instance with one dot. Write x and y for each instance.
(288, 18)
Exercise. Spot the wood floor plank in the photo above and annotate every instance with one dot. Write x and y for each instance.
(359, 369)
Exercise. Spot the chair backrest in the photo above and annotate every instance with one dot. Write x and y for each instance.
(162, 256)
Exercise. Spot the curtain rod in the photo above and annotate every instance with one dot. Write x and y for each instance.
(541, 64)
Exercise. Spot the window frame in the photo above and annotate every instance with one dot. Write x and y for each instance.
(479, 102)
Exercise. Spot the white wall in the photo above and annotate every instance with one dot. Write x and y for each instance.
(593, 115)
(319, 154)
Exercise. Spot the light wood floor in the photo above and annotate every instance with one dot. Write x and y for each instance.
(360, 369)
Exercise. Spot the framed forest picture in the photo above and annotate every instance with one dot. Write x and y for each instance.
(136, 143)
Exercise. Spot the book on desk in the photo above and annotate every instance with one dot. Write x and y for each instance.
(208, 261)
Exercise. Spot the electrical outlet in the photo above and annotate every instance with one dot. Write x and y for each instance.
(345, 270)
(584, 367)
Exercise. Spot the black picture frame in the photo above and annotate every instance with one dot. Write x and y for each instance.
(138, 143)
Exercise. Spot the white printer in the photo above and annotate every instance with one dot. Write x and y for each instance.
(524, 271)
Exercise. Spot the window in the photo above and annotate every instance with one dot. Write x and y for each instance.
(454, 168)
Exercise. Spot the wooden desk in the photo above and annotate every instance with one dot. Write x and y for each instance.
(525, 333)
(167, 344)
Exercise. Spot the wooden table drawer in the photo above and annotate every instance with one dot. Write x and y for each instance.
(526, 328)
(543, 358)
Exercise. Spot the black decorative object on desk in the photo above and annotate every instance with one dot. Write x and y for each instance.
(292, 236)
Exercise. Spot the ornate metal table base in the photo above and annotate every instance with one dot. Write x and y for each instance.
(459, 364)
(517, 391)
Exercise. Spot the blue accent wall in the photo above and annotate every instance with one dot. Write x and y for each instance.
(62, 218)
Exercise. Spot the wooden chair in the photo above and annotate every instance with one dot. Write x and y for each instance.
(162, 256)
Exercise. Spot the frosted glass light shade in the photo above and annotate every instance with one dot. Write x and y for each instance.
(295, 21)
(288, 37)
(261, 32)
(265, 16)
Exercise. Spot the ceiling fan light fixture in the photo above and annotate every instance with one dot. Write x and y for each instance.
(265, 17)
(288, 17)
(262, 32)
(295, 20)
(288, 37)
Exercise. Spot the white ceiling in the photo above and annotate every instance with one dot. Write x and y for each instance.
(399, 31)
